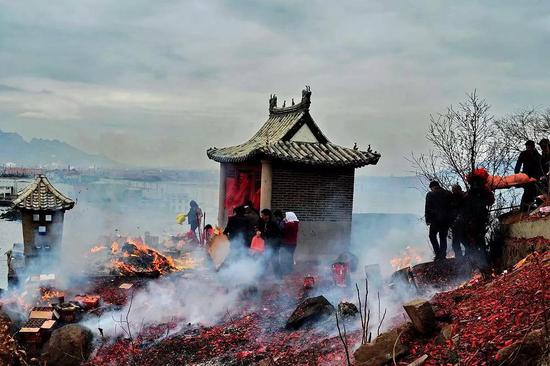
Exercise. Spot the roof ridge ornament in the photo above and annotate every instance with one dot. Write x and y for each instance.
(306, 96)
(272, 102)
(303, 105)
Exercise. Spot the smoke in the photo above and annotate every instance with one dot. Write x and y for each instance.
(104, 208)
(378, 238)
(109, 208)
(202, 298)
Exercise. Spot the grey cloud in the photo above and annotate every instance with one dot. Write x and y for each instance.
(159, 82)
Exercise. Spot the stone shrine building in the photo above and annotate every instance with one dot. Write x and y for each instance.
(289, 164)
(42, 210)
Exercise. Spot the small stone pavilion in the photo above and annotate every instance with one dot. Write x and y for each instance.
(289, 164)
(42, 210)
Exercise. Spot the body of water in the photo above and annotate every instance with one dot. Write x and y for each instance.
(131, 207)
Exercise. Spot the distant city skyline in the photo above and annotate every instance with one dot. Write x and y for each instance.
(154, 84)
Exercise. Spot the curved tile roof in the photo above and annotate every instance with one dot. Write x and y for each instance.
(41, 195)
(274, 141)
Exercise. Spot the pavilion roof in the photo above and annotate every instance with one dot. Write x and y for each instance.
(278, 139)
(42, 195)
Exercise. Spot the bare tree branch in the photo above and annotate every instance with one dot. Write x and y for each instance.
(343, 338)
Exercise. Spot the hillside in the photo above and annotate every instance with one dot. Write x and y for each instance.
(46, 153)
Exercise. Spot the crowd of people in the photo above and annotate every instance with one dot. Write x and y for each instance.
(466, 214)
(269, 236)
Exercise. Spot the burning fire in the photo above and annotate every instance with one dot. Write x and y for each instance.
(87, 301)
(185, 262)
(131, 256)
(48, 294)
(97, 248)
(410, 256)
(135, 257)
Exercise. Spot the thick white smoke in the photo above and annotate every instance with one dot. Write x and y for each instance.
(203, 298)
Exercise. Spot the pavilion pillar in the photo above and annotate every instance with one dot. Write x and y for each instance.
(222, 218)
(266, 185)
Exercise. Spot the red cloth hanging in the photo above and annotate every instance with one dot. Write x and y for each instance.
(256, 199)
(237, 191)
(244, 189)
(230, 191)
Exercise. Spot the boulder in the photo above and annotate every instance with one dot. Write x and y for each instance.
(68, 346)
(310, 310)
(347, 309)
(380, 351)
(527, 352)
(422, 315)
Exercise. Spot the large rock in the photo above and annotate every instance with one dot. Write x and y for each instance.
(380, 351)
(68, 346)
(309, 310)
(528, 352)
(347, 309)
(422, 315)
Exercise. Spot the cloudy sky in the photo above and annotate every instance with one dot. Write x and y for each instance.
(154, 83)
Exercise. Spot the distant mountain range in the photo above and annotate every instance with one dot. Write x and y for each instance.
(47, 153)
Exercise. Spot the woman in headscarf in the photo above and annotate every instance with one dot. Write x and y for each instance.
(289, 241)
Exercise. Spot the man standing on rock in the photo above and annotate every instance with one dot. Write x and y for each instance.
(457, 229)
(437, 214)
(474, 218)
(529, 162)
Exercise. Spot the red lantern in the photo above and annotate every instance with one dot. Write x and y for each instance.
(340, 273)
(309, 282)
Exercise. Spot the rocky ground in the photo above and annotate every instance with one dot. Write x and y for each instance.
(486, 321)
(494, 321)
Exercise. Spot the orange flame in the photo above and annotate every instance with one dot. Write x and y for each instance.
(115, 247)
(88, 301)
(409, 257)
(97, 248)
(47, 295)
(124, 261)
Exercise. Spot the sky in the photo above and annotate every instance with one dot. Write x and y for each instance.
(155, 83)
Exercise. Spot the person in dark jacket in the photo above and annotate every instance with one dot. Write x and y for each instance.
(251, 213)
(437, 214)
(238, 229)
(474, 219)
(457, 200)
(289, 241)
(529, 162)
(271, 233)
(253, 218)
(194, 216)
(545, 156)
(279, 218)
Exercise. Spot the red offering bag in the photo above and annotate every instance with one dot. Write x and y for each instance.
(340, 273)
(258, 244)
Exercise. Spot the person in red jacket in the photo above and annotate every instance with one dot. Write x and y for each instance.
(289, 241)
